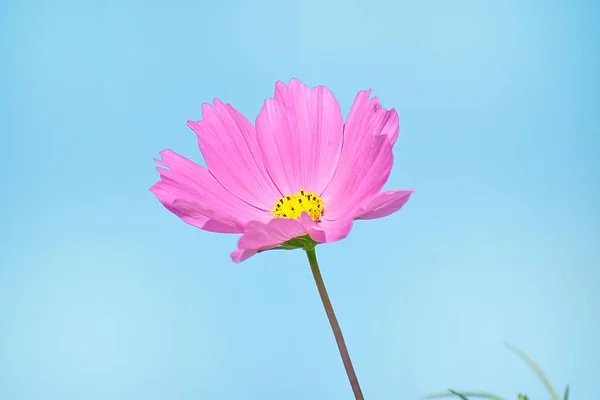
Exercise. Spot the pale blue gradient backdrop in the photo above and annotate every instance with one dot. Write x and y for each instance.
(106, 295)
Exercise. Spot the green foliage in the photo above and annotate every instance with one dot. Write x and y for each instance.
(536, 369)
(458, 394)
(566, 395)
(483, 395)
(467, 395)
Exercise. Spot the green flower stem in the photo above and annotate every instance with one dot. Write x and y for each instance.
(337, 332)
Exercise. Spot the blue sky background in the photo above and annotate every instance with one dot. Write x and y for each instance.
(106, 295)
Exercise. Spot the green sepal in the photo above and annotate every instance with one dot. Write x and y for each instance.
(300, 242)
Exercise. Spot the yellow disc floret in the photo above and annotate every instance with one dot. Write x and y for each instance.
(292, 206)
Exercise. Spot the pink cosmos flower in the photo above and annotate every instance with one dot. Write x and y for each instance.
(302, 172)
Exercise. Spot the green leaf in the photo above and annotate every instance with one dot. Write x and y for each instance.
(523, 397)
(566, 396)
(535, 368)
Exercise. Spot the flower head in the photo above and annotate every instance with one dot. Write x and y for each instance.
(302, 172)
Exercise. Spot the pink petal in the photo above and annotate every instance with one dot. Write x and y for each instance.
(230, 148)
(300, 136)
(383, 204)
(193, 194)
(239, 255)
(366, 158)
(260, 236)
(334, 230)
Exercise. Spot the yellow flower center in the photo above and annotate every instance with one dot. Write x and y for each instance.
(292, 206)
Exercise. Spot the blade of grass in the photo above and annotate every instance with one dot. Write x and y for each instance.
(535, 368)
(458, 394)
(481, 395)
(566, 396)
